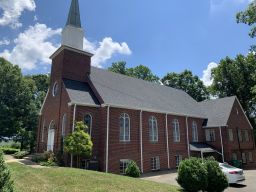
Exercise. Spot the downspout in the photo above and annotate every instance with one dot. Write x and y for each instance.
(187, 137)
(73, 128)
(222, 148)
(167, 140)
(107, 139)
(141, 143)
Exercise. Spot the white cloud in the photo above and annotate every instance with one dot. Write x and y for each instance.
(105, 49)
(5, 42)
(222, 5)
(12, 10)
(32, 47)
(207, 80)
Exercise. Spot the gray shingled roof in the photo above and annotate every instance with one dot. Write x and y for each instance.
(80, 92)
(218, 110)
(123, 91)
(120, 90)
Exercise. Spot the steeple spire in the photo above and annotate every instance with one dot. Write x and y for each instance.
(74, 15)
(73, 34)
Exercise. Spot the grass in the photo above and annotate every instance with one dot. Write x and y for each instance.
(29, 179)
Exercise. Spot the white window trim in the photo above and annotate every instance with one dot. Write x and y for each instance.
(234, 155)
(155, 163)
(179, 158)
(51, 147)
(63, 125)
(124, 116)
(244, 158)
(42, 132)
(176, 130)
(53, 89)
(250, 157)
(194, 132)
(246, 136)
(90, 124)
(208, 134)
(123, 161)
(230, 135)
(154, 134)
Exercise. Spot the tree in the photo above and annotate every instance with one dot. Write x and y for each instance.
(142, 72)
(79, 142)
(118, 67)
(41, 83)
(139, 72)
(237, 77)
(13, 98)
(6, 184)
(249, 17)
(187, 82)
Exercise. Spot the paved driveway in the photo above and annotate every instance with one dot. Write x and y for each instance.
(169, 177)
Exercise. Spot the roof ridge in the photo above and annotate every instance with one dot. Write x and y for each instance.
(148, 82)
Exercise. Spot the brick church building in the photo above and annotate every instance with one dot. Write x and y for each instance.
(131, 119)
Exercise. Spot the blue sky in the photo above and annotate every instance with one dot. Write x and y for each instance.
(165, 35)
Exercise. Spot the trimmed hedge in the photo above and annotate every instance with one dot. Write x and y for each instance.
(6, 183)
(20, 154)
(217, 181)
(195, 175)
(9, 151)
(192, 175)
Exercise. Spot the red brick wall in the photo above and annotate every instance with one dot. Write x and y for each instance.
(153, 149)
(237, 121)
(177, 148)
(54, 109)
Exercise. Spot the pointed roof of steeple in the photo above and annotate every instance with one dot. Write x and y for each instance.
(74, 15)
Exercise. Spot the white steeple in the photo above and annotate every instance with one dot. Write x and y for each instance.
(73, 34)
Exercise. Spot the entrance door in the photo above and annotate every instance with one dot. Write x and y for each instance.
(51, 134)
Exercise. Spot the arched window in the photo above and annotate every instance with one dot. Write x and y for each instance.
(194, 132)
(153, 130)
(51, 134)
(42, 132)
(124, 124)
(88, 122)
(176, 130)
(63, 126)
(55, 89)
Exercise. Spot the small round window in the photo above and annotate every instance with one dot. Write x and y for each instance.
(55, 89)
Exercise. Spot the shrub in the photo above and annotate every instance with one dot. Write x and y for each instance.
(217, 181)
(37, 158)
(15, 145)
(48, 164)
(132, 170)
(46, 159)
(6, 184)
(192, 175)
(9, 151)
(20, 154)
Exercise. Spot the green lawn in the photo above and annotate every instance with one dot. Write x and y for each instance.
(29, 179)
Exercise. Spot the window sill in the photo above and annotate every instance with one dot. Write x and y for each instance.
(124, 141)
